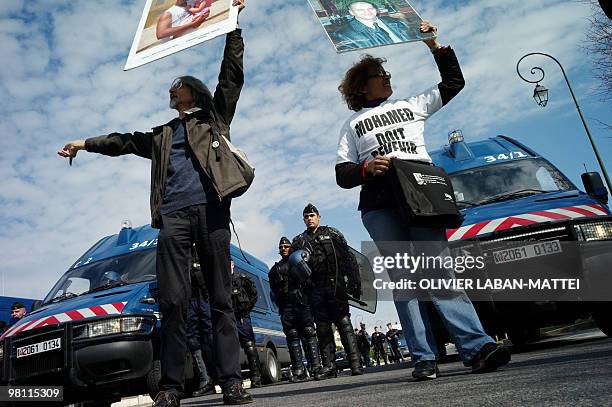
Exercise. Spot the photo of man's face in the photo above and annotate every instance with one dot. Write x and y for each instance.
(354, 25)
(363, 11)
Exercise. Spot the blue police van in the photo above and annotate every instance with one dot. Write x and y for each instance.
(97, 331)
(507, 192)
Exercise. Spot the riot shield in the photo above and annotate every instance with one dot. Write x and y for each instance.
(368, 299)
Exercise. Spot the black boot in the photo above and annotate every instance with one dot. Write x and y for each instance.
(234, 394)
(349, 341)
(204, 384)
(312, 349)
(327, 347)
(298, 371)
(253, 360)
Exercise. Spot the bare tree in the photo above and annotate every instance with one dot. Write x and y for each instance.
(598, 44)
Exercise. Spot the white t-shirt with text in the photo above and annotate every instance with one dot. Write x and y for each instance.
(393, 129)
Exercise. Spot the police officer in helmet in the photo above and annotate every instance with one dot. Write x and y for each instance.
(335, 278)
(244, 297)
(298, 322)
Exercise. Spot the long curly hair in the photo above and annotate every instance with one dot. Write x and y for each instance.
(355, 80)
(201, 95)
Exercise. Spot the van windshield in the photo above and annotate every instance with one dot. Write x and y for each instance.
(508, 180)
(108, 273)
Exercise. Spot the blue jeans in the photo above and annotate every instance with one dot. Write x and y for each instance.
(454, 306)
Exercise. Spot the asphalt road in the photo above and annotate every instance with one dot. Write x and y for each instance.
(574, 369)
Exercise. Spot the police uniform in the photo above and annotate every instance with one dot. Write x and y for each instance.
(335, 276)
(379, 345)
(393, 339)
(244, 297)
(199, 333)
(296, 318)
(363, 343)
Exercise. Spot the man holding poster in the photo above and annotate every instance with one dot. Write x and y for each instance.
(190, 206)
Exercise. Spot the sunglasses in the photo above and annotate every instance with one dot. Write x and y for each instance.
(176, 84)
(379, 74)
(285, 246)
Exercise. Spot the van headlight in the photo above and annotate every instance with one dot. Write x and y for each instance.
(594, 231)
(112, 326)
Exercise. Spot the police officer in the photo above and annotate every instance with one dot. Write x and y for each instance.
(379, 344)
(393, 339)
(244, 297)
(363, 343)
(335, 277)
(18, 311)
(297, 320)
(199, 332)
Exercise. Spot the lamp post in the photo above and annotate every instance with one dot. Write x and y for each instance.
(540, 94)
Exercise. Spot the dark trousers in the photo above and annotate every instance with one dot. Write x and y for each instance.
(296, 317)
(380, 353)
(199, 324)
(395, 352)
(325, 306)
(365, 355)
(208, 227)
(245, 330)
(200, 333)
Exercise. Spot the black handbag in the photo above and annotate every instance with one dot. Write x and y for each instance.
(423, 194)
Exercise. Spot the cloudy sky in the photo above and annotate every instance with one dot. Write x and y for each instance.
(62, 79)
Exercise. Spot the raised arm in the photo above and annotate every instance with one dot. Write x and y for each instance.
(448, 65)
(231, 75)
(231, 78)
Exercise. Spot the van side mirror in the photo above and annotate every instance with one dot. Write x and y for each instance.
(594, 186)
(35, 305)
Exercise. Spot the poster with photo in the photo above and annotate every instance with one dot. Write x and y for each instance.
(169, 26)
(352, 25)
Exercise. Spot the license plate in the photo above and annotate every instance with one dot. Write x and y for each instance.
(527, 252)
(29, 350)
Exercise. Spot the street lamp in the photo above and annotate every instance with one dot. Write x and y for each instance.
(540, 95)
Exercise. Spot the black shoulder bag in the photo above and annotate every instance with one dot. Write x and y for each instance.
(423, 194)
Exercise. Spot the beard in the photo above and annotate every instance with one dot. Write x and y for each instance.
(172, 104)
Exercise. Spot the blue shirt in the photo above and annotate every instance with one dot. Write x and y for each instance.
(186, 182)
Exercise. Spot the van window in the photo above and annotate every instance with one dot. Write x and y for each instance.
(478, 185)
(272, 303)
(115, 271)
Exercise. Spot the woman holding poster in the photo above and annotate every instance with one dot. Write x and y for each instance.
(382, 130)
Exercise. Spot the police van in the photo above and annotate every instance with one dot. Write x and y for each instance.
(509, 193)
(97, 331)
